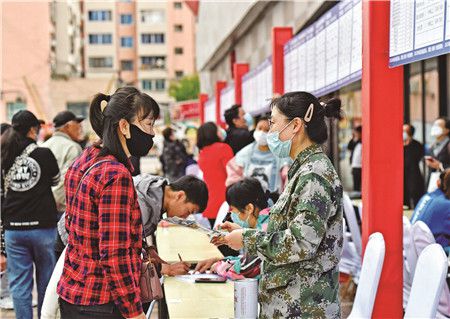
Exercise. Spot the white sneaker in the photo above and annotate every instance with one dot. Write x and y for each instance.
(34, 303)
(6, 303)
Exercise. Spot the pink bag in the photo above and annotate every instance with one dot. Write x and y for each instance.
(149, 281)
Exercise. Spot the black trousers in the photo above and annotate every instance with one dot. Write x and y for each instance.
(70, 311)
(356, 172)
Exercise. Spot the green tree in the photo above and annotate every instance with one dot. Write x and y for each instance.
(185, 89)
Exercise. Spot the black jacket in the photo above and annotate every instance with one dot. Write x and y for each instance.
(444, 155)
(29, 202)
(238, 138)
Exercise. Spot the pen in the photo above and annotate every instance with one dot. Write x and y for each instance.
(180, 258)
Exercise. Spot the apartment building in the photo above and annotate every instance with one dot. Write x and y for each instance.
(142, 43)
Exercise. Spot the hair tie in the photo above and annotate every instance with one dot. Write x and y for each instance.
(309, 113)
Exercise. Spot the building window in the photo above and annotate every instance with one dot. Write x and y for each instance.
(152, 38)
(147, 85)
(126, 19)
(177, 5)
(101, 38)
(14, 107)
(153, 62)
(154, 85)
(103, 62)
(126, 42)
(152, 16)
(99, 15)
(178, 28)
(179, 74)
(178, 50)
(160, 85)
(126, 65)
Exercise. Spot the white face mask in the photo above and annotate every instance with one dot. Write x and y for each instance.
(436, 131)
(260, 137)
(405, 136)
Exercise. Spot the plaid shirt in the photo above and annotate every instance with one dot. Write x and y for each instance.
(102, 262)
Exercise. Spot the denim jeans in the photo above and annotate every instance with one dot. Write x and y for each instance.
(25, 248)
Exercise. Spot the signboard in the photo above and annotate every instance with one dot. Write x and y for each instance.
(227, 99)
(210, 110)
(328, 54)
(257, 88)
(418, 30)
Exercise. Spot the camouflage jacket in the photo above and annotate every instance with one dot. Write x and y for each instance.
(304, 235)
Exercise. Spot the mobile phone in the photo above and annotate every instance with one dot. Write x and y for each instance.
(218, 280)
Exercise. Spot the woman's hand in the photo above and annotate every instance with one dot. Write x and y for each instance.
(176, 269)
(229, 227)
(206, 264)
(432, 162)
(233, 240)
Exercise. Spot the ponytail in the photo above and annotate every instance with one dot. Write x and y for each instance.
(332, 108)
(96, 116)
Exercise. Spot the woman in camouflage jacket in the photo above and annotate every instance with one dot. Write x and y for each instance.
(303, 242)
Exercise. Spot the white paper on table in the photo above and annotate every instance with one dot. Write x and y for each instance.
(193, 277)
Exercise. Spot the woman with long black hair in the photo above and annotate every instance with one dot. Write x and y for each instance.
(29, 212)
(102, 262)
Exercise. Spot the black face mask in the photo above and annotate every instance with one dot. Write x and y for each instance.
(140, 143)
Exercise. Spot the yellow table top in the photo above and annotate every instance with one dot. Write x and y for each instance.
(199, 300)
(191, 244)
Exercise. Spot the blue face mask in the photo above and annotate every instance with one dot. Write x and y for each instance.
(248, 119)
(279, 148)
(235, 218)
(245, 224)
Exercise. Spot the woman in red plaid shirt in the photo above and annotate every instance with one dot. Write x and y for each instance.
(102, 263)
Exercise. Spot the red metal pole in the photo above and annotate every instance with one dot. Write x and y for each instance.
(382, 176)
(239, 70)
(280, 35)
(202, 98)
(220, 85)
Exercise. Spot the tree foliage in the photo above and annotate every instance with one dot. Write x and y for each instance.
(187, 88)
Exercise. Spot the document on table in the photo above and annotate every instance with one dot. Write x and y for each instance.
(193, 277)
(194, 225)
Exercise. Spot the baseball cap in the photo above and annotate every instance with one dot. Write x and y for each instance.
(66, 116)
(24, 120)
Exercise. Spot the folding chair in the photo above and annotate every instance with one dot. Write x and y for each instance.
(428, 283)
(370, 276)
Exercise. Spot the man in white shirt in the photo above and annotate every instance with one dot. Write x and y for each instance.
(64, 146)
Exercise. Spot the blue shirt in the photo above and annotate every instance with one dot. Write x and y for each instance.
(262, 165)
(434, 210)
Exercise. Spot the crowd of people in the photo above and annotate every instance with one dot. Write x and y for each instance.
(93, 209)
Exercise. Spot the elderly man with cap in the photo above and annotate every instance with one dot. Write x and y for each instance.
(64, 144)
